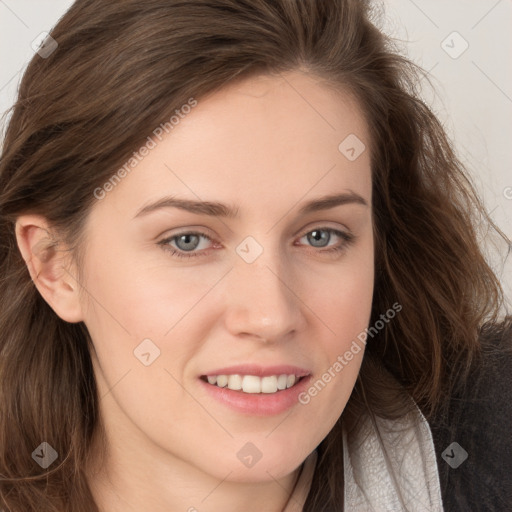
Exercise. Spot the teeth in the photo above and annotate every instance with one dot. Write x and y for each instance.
(281, 381)
(222, 381)
(253, 384)
(269, 384)
(235, 382)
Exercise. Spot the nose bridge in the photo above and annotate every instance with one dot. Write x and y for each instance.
(261, 302)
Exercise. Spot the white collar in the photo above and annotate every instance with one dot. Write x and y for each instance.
(374, 483)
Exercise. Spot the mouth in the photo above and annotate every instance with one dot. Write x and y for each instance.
(253, 384)
(257, 390)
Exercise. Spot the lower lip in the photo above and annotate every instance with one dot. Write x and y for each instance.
(258, 404)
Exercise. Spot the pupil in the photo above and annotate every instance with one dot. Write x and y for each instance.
(187, 242)
(319, 238)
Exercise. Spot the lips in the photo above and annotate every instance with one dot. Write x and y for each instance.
(256, 389)
(258, 402)
(259, 371)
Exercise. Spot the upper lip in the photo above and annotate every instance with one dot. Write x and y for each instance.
(259, 371)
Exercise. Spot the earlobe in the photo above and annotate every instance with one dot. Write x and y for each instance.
(50, 266)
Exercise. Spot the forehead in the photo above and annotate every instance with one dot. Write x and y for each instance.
(264, 142)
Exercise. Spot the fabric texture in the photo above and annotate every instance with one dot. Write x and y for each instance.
(479, 420)
(369, 485)
(413, 480)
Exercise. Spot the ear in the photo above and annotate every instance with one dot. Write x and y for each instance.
(50, 266)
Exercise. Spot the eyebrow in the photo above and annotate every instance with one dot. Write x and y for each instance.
(216, 209)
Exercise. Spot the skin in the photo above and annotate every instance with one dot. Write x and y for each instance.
(266, 146)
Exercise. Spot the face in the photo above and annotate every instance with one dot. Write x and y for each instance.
(239, 249)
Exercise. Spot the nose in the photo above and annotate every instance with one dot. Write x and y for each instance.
(263, 300)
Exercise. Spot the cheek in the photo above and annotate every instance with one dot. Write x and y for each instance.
(343, 304)
(143, 299)
(341, 296)
(128, 304)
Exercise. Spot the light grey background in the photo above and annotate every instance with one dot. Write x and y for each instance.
(473, 88)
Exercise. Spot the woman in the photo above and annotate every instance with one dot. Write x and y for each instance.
(210, 212)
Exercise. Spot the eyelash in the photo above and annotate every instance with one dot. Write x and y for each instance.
(347, 240)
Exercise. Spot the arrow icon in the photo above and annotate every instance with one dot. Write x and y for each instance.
(351, 147)
(249, 253)
(44, 455)
(249, 455)
(454, 455)
(146, 352)
(454, 45)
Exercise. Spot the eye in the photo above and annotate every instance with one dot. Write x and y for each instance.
(183, 243)
(321, 238)
(188, 244)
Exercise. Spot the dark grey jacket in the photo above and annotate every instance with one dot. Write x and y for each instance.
(480, 421)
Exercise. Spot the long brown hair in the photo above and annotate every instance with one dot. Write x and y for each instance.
(120, 69)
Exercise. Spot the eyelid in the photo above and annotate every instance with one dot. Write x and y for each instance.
(336, 250)
(206, 232)
(187, 230)
(315, 225)
(167, 239)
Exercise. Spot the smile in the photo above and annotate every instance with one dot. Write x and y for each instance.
(253, 384)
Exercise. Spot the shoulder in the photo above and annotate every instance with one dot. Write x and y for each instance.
(476, 473)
